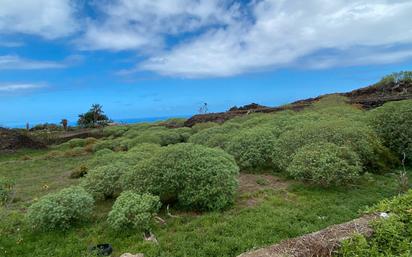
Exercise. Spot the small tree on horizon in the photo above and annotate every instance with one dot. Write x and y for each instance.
(94, 117)
(64, 123)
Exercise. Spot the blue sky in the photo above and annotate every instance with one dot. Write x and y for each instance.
(148, 58)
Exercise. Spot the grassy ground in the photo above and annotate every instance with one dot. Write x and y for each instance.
(262, 216)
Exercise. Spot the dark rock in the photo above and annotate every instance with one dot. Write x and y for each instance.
(11, 140)
(367, 98)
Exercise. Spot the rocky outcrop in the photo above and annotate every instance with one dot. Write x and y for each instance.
(367, 98)
(322, 243)
(11, 140)
(376, 95)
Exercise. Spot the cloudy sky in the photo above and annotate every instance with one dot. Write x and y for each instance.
(147, 58)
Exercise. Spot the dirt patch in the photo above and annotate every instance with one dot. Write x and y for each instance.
(322, 243)
(250, 183)
(252, 188)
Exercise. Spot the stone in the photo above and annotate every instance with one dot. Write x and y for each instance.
(132, 255)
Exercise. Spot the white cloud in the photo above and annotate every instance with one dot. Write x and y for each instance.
(19, 87)
(217, 38)
(14, 62)
(286, 31)
(144, 24)
(47, 18)
(356, 57)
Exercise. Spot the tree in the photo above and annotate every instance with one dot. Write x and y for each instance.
(64, 123)
(94, 117)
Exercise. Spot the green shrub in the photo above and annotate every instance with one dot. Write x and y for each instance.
(60, 210)
(198, 177)
(79, 172)
(161, 136)
(393, 123)
(105, 144)
(76, 142)
(204, 125)
(218, 136)
(173, 123)
(325, 164)
(132, 210)
(76, 151)
(103, 152)
(356, 246)
(116, 131)
(130, 158)
(392, 236)
(252, 148)
(90, 140)
(184, 133)
(103, 182)
(6, 190)
(141, 152)
(342, 132)
(396, 77)
(145, 137)
(276, 122)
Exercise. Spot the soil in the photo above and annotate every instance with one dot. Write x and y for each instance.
(367, 98)
(251, 187)
(11, 140)
(322, 243)
(249, 183)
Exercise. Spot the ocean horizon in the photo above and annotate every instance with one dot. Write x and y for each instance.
(120, 121)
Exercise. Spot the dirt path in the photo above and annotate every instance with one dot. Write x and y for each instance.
(320, 244)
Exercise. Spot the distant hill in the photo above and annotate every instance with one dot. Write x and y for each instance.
(368, 97)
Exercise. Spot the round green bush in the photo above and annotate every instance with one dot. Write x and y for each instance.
(132, 210)
(217, 136)
(115, 131)
(325, 164)
(103, 182)
(393, 123)
(195, 176)
(90, 140)
(110, 144)
(252, 148)
(6, 190)
(159, 135)
(204, 125)
(76, 151)
(76, 142)
(142, 152)
(103, 152)
(60, 210)
(130, 158)
(342, 132)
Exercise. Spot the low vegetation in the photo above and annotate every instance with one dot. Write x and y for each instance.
(194, 176)
(6, 190)
(60, 210)
(392, 235)
(133, 211)
(307, 170)
(325, 164)
(393, 123)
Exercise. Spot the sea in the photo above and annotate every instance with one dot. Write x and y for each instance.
(73, 123)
